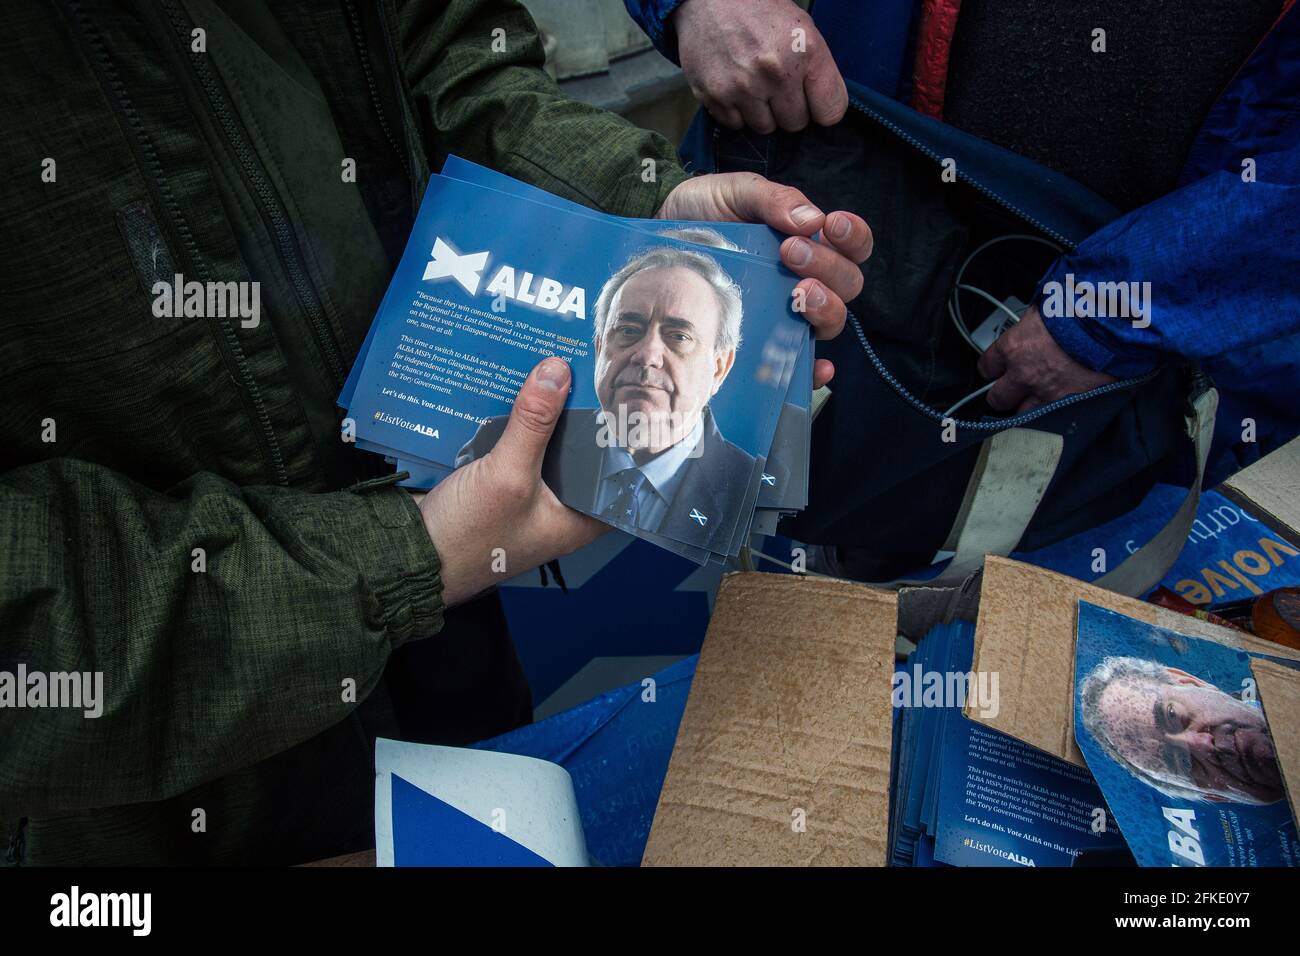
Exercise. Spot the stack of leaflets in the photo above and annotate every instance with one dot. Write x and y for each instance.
(1175, 731)
(966, 795)
(689, 416)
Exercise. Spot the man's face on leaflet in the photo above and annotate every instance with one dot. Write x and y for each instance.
(658, 357)
(1191, 733)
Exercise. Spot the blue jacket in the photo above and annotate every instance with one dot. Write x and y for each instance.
(1222, 254)
(652, 17)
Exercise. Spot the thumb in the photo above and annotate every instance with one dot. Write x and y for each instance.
(828, 99)
(784, 208)
(532, 420)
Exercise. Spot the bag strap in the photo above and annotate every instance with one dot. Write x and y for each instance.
(1143, 569)
(1008, 484)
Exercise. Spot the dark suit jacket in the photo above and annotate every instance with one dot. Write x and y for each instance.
(714, 484)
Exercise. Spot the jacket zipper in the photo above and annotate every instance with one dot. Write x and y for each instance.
(416, 161)
(978, 186)
(363, 54)
(269, 444)
(1002, 423)
(271, 207)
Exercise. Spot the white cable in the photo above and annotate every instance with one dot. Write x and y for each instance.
(975, 394)
(1001, 305)
(954, 302)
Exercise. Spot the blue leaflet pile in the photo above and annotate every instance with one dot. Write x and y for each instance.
(776, 422)
(966, 795)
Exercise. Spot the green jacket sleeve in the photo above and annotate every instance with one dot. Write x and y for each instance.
(226, 623)
(473, 70)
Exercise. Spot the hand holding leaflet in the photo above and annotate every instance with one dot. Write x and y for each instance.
(500, 498)
(654, 327)
(783, 482)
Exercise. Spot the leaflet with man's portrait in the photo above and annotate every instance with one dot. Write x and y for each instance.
(1173, 729)
(682, 350)
(783, 483)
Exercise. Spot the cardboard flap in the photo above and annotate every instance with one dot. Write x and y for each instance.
(789, 711)
(1025, 633)
(1267, 489)
(1279, 692)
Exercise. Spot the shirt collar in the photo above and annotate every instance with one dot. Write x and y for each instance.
(663, 471)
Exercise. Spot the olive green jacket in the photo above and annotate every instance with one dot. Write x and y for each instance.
(178, 511)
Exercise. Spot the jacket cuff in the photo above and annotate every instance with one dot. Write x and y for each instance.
(624, 193)
(654, 21)
(669, 179)
(405, 571)
(631, 197)
(1084, 342)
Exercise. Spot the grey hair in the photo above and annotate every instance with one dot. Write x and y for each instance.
(1091, 688)
(730, 303)
(701, 236)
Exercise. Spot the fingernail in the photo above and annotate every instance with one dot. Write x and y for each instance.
(805, 213)
(553, 374)
(800, 252)
(841, 227)
(816, 296)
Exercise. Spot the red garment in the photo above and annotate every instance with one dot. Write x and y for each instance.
(933, 44)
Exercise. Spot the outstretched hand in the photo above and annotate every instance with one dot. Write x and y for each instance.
(829, 263)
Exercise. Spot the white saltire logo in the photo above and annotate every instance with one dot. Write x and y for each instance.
(464, 269)
(769, 479)
(535, 291)
(697, 516)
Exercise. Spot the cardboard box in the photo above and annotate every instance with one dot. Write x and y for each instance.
(790, 707)
(787, 728)
(1025, 633)
(1279, 692)
(1270, 490)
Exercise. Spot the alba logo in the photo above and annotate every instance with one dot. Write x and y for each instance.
(464, 269)
(537, 291)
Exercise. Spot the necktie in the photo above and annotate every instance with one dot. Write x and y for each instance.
(624, 508)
